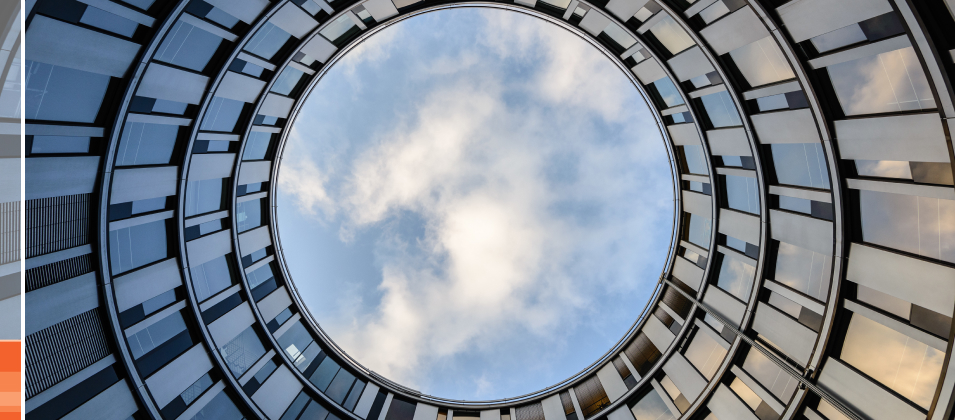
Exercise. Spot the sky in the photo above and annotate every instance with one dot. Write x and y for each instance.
(475, 203)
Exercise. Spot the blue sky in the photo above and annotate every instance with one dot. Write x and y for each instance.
(475, 203)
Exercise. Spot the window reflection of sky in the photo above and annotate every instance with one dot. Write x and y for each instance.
(920, 225)
(887, 82)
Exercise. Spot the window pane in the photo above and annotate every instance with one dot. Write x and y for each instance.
(700, 230)
(60, 144)
(671, 97)
(671, 35)
(146, 144)
(736, 277)
(720, 110)
(219, 408)
(248, 214)
(243, 351)
(803, 270)
(203, 196)
(211, 278)
(838, 38)
(154, 335)
(287, 81)
(188, 46)
(888, 82)
(137, 246)
(257, 145)
(762, 62)
(63, 94)
(905, 365)
(920, 225)
(108, 21)
(705, 354)
(801, 164)
(268, 40)
(770, 375)
(222, 114)
(260, 275)
(694, 160)
(742, 193)
(651, 407)
(339, 27)
(295, 340)
(884, 168)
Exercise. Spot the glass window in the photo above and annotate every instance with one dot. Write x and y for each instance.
(287, 81)
(620, 36)
(888, 303)
(338, 28)
(799, 205)
(260, 275)
(142, 4)
(156, 303)
(920, 225)
(63, 94)
(772, 102)
(257, 145)
(742, 193)
(248, 214)
(108, 21)
(211, 277)
(838, 38)
(700, 230)
(219, 408)
(671, 97)
(736, 277)
(770, 375)
(146, 144)
(720, 110)
(217, 15)
(196, 389)
(705, 354)
(203, 196)
(713, 12)
(671, 35)
(324, 374)
(295, 340)
(242, 352)
(188, 46)
(746, 394)
(340, 386)
(651, 407)
(887, 82)
(169, 107)
(60, 144)
(801, 164)
(268, 40)
(222, 114)
(154, 335)
(762, 62)
(884, 168)
(10, 96)
(695, 161)
(137, 246)
(905, 365)
(803, 270)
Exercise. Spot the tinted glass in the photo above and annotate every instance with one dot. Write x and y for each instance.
(211, 278)
(268, 40)
(770, 375)
(242, 352)
(137, 246)
(60, 144)
(651, 407)
(762, 62)
(695, 161)
(203, 196)
(801, 164)
(219, 408)
(287, 81)
(887, 82)
(154, 335)
(720, 110)
(248, 214)
(222, 114)
(920, 225)
(146, 144)
(188, 46)
(671, 35)
(705, 354)
(671, 97)
(736, 278)
(742, 194)
(109, 22)
(260, 275)
(905, 365)
(63, 94)
(700, 230)
(803, 270)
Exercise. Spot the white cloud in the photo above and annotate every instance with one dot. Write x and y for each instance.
(505, 255)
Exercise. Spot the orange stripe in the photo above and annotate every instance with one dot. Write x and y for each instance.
(9, 356)
(10, 382)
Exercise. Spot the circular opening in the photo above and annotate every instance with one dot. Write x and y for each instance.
(475, 203)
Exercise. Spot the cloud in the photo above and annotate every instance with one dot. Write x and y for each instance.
(524, 211)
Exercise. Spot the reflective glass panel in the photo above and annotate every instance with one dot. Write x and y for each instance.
(887, 82)
(260, 275)
(803, 270)
(188, 46)
(211, 278)
(920, 225)
(770, 375)
(742, 194)
(268, 40)
(248, 214)
(243, 351)
(801, 164)
(651, 407)
(884, 168)
(219, 408)
(905, 365)
(705, 354)
(146, 144)
(620, 36)
(222, 114)
(154, 335)
(203, 196)
(720, 110)
(736, 277)
(109, 22)
(671, 35)
(338, 28)
(838, 38)
(63, 94)
(671, 97)
(60, 144)
(137, 246)
(287, 81)
(257, 145)
(694, 159)
(762, 62)
(700, 230)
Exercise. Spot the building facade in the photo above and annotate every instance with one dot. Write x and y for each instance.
(811, 273)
